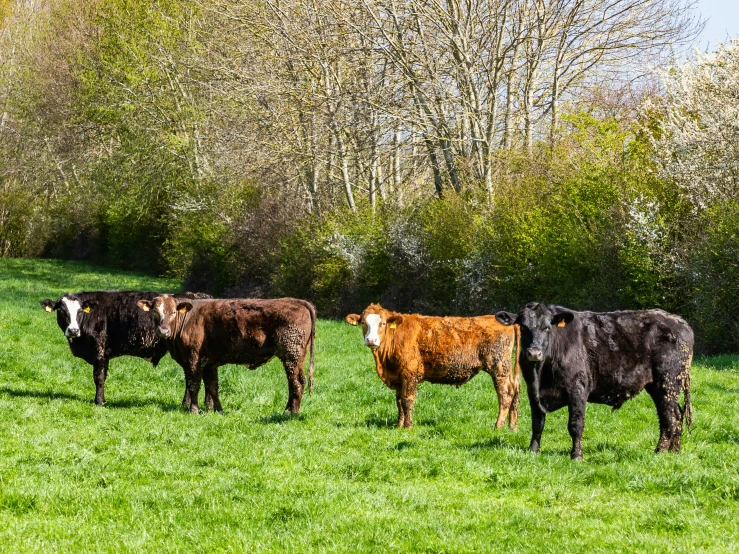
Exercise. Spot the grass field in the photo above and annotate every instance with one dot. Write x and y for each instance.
(140, 474)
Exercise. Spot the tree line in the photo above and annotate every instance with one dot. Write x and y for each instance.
(447, 156)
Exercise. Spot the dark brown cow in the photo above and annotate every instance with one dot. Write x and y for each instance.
(203, 335)
(410, 349)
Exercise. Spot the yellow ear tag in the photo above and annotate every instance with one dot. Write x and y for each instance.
(393, 325)
(182, 310)
(86, 309)
(561, 324)
(48, 308)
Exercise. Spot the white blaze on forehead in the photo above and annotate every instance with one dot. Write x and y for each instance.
(160, 309)
(73, 307)
(373, 326)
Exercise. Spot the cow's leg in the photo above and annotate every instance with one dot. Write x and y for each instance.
(186, 398)
(295, 382)
(538, 418)
(513, 414)
(193, 376)
(501, 374)
(408, 398)
(99, 373)
(576, 423)
(399, 402)
(210, 378)
(670, 416)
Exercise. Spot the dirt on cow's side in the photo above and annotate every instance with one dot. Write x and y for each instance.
(142, 475)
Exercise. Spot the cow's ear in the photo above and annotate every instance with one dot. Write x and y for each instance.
(48, 305)
(184, 307)
(88, 306)
(562, 319)
(144, 305)
(394, 320)
(353, 319)
(506, 318)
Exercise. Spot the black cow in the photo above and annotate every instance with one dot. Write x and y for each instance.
(570, 358)
(102, 325)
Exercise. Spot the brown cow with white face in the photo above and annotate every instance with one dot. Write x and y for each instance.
(411, 348)
(202, 335)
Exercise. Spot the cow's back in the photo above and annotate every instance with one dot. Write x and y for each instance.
(245, 331)
(451, 350)
(624, 349)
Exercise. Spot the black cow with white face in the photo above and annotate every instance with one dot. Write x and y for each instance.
(102, 325)
(570, 358)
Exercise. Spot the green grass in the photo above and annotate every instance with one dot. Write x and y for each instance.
(140, 474)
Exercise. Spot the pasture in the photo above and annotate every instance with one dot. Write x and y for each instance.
(141, 474)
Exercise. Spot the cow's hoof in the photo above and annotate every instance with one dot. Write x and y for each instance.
(514, 428)
(99, 402)
(576, 458)
(194, 410)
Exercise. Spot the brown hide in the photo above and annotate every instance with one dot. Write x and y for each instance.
(448, 350)
(203, 335)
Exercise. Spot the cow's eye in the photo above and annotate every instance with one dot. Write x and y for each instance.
(382, 324)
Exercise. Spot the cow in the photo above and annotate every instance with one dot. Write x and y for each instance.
(570, 358)
(102, 325)
(409, 349)
(202, 335)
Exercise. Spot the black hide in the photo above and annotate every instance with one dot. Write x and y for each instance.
(114, 326)
(570, 358)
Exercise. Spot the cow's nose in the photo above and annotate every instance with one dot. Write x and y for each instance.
(164, 333)
(372, 342)
(73, 333)
(534, 354)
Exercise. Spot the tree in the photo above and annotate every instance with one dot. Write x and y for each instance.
(697, 138)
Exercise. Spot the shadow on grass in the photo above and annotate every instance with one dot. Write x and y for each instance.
(281, 418)
(496, 441)
(115, 404)
(379, 422)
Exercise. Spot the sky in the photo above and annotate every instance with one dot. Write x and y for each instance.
(723, 22)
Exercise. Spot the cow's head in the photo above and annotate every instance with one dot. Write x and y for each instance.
(164, 310)
(70, 313)
(537, 321)
(375, 321)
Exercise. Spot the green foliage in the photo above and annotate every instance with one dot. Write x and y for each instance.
(140, 474)
(716, 279)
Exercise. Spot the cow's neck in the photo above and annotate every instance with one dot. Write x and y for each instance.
(178, 324)
(384, 354)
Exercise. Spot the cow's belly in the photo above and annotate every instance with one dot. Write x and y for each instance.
(457, 378)
(615, 396)
(454, 367)
(251, 358)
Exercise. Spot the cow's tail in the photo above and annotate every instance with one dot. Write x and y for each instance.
(312, 341)
(516, 375)
(687, 406)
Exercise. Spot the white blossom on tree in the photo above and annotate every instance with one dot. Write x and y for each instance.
(698, 140)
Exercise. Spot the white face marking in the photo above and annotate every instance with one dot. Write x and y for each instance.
(372, 338)
(160, 309)
(73, 306)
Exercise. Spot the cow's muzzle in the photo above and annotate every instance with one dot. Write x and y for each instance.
(372, 343)
(534, 354)
(72, 333)
(163, 333)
